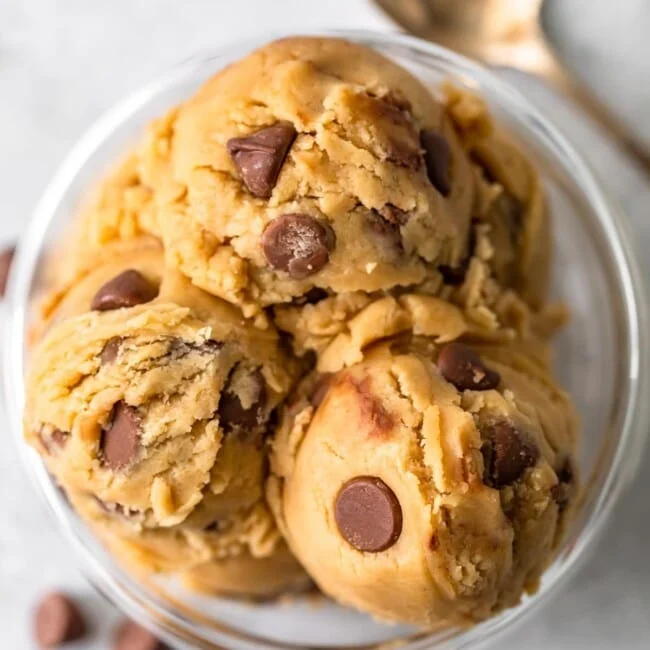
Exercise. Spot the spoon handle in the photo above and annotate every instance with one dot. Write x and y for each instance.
(525, 48)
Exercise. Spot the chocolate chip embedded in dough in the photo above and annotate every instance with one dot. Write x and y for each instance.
(507, 453)
(110, 351)
(241, 407)
(259, 157)
(53, 439)
(120, 441)
(57, 620)
(368, 514)
(127, 289)
(462, 367)
(298, 244)
(437, 157)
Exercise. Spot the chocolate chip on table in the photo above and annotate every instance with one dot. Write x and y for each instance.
(110, 350)
(298, 244)
(120, 440)
(368, 514)
(259, 157)
(57, 620)
(127, 289)
(507, 452)
(462, 367)
(131, 636)
(437, 157)
(233, 415)
(6, 258)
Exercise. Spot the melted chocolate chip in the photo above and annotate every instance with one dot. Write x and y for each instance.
(120, 441)
(437, 157)
(127, 289)
(298, 244)
(463, 368)
(259, 157)
(368, 514)
(507, 453)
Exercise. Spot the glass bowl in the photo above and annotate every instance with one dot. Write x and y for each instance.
(602, 360)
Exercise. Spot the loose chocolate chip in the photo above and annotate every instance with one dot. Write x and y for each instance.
(259, 157)
(437, 157)
(320, 389)
(110, 351)
(507, 452)
(298, 244)
(131, 636)
(53, 439)
(368, 514)
(233, 415)
(120, 441)
(57, 620)
(462, 367)
(127, 289)
(6, 258)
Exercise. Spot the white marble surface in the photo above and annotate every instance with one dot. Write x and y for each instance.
(62, 62)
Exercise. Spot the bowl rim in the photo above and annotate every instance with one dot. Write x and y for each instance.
(609, 220)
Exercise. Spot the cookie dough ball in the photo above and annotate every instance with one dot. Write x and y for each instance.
(241, 556)
(512, 233)
(427, 484)
(119, 209)
(312, 164)
(153, 396)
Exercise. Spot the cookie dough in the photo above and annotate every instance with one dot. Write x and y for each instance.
(242, 556)
(310, 164)
(153, 396)
(428, 482)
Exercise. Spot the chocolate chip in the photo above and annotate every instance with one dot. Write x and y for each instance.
(298, 244)
(233, 415)
(393, 214)
(131, 636)
(127, 289)
(259, 157)
(386, 234)
(563, 492)
(320, 389)
(462, 367)
(120, 441)
(53, 439)
(110, 351)
(368, 514)
(507, 452)
(437, 157)
(6, 258)
(57, 620)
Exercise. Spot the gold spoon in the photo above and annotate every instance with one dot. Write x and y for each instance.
(506, 33)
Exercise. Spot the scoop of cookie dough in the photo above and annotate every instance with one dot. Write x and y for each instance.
(153, 396)
(427, 483)
(242, 556)
(310, 164)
